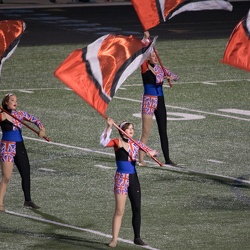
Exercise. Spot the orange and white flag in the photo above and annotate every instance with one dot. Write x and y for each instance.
(237, 52)
(153, 12)
(10, 35)
(96, 72)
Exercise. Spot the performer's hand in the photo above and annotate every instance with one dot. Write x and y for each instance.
(169, 79)
(110, 122)
(145, 38)
(146, 35)
(42, 132)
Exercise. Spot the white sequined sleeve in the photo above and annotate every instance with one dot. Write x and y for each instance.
(105, 137)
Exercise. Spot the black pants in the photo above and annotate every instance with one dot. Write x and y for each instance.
(161, 119)
(22, 163)
(134, 194)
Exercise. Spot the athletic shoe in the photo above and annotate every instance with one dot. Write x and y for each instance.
(139, 241)
(2, 208)
(171, 163)
(30, 204)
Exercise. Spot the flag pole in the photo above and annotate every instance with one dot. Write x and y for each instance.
(46, 138)
(160, 163)
(143, 149)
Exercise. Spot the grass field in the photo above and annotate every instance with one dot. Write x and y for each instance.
(72, 176)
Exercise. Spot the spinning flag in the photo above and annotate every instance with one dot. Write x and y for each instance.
(96, 72)
(152, 12)
(237, 52)
(10, 35)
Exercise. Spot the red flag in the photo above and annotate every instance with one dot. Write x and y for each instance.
(96, 72)
(152, 12)
(10, 35)
(237, 52)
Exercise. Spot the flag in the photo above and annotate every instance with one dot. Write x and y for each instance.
(10, 35)
(153, 12)
(237, 52)
(96, 72)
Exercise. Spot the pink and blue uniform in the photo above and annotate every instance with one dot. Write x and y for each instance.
(125, 161)
(126, 181)
(153, 102)
(12, 146)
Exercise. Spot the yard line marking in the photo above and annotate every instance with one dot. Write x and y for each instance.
(73, 227)
(26, 91)
(177, 116)
(213, 82)
(69, 146)
(236, 111)
(102, 166)
(209, 83)
(169, 168)
(133, 85)
(139, 101)
(187, 109)
(215, 161)
(210, 113)
(47, 170)
(29, 90)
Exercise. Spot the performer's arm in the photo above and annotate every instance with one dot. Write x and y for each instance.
(105, 136)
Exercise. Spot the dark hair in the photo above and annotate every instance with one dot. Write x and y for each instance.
(5, 100)
(124, 125)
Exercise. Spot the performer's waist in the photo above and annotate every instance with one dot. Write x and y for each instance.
(126, 167)
(13, 135)
(153, 89)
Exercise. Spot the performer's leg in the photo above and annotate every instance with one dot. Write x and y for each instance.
(161, 119)
(146, 128)
(22, 163)
(7, 168)
(120, 201)
(134, 194)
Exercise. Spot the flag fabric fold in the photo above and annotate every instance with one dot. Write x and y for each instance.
(97, 71)
(153, 12)
(237, 52)
(10, 35)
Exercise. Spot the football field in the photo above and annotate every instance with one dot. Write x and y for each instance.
(72, 175)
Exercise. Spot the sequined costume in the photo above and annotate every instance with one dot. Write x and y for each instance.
(12, 146)
(153, 100)
(126, 180)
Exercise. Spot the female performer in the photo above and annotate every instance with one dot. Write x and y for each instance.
(13, 149)
(126, 179)
(153, 102)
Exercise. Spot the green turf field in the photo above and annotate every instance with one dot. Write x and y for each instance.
(72, 176)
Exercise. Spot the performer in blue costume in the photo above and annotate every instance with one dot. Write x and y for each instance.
(13, 149)
(153, 102)
(126, 179)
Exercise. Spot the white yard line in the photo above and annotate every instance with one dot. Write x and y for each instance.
(139, 101)
(187, 109)
(215, 161)
(74, 227)
(102, 166)
(165, 167)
